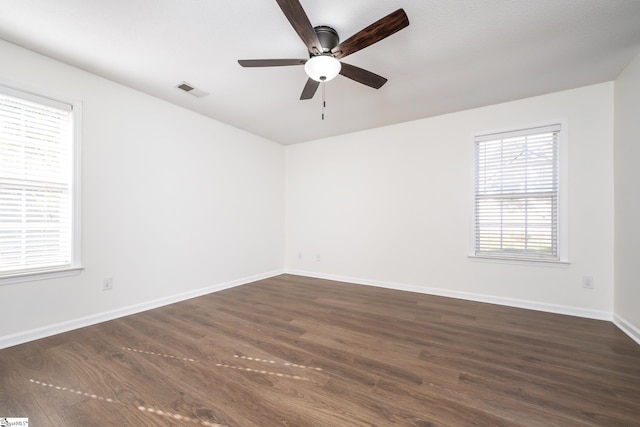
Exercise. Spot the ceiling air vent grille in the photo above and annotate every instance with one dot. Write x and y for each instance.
(191, 89)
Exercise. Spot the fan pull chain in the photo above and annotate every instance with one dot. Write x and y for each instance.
(324, 102)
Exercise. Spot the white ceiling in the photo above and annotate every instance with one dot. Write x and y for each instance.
(455, 54)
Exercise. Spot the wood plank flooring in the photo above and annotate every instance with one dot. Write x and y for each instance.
(296, 351)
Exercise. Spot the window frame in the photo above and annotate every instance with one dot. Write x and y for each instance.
(75, 267)
(563, 212)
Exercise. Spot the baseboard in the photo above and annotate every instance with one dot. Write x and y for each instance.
(34, 334)
(627, 328)
(47, 331)
(510, 302)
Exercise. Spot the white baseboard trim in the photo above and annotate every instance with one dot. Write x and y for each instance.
(627, 328)
(510, 302)
(47, 331)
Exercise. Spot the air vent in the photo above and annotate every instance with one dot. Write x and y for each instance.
(192, 90)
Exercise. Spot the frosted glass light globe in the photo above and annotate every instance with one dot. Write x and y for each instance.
(322, 68)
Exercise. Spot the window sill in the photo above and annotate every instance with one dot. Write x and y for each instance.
(32, 276)
(521, 261)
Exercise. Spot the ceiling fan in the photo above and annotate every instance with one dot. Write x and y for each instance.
(326, 51)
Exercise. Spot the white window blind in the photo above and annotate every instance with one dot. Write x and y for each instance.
(516, 194)
(36, 183)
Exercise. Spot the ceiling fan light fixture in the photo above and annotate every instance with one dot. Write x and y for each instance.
(322, 68)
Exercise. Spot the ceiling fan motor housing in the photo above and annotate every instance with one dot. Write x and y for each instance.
(328, 38)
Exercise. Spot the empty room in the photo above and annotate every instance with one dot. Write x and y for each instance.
(304, 213)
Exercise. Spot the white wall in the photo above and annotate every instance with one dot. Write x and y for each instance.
(627, 199)
(174, 204)
(391, 206)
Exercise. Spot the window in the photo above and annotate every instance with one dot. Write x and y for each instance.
(516, 195)
(39, 187)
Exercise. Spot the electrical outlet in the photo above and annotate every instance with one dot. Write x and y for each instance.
(587, 282)
(107, 284)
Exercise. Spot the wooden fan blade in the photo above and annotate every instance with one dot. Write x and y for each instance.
(309, 89)
(298, 19)
(270, 62)
(375, 32)
(362, 76)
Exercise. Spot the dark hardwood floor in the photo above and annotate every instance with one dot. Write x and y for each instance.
(295, 351)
